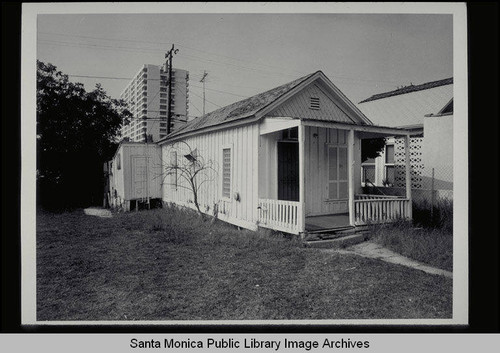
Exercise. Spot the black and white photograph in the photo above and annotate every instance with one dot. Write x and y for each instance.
(245, 164)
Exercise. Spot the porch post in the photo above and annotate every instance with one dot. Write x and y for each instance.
(302, 189)
(350, 173)
(408, 176)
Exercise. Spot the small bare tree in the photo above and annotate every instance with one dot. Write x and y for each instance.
(188, 169)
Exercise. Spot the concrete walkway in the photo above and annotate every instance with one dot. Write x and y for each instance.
(97, 211)
(375, 251)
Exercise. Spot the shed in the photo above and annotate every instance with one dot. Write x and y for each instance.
(134, 175)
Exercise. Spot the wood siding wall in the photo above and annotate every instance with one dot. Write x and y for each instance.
(243, 142)
(299, 107)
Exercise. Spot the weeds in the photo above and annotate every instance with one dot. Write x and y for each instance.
(172, 264)
(432, 246)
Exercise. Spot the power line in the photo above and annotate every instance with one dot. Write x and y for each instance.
(190, 101)
(207, 100)
(163, 43)
(216, 90)
(196, 58)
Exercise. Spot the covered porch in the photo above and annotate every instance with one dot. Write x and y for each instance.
(310, 177)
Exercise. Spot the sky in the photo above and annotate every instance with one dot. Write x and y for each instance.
(245, 54)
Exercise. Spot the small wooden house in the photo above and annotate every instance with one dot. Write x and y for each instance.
(134, 175)
(288, 159)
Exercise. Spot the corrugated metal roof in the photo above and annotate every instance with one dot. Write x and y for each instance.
(408, 108)
(239, 110)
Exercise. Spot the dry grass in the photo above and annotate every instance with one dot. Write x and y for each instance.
(172, 265)
(433, 246)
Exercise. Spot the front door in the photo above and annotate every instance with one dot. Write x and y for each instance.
(288, 171)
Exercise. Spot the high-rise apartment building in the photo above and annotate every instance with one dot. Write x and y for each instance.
(147, 99)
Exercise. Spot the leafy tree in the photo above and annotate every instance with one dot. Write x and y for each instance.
(372, 148)
(76, 133)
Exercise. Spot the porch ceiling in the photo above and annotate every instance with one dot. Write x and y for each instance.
(368, 130)
(270, 125)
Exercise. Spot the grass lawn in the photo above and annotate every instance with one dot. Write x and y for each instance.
(168, 264)
(432, 246)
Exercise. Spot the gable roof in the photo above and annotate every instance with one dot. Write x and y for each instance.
(256, 105)
(407, 106)
(409, 89)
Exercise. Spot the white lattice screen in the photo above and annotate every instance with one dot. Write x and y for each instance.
(416, 162)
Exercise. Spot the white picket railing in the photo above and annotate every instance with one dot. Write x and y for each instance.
(280, 215)
(375, 197)
(380, 210)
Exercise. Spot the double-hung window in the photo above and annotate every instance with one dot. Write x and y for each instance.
(368, 172)
(389, 166)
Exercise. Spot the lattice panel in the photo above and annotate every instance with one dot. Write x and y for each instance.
(416, 162)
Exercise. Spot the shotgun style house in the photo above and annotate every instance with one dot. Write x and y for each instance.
(288, 159)
(426, 110)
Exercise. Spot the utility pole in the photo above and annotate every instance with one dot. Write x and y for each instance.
(169, 55)
(203, 80)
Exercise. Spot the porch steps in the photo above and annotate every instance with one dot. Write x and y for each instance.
(337, 240)
(330, 230)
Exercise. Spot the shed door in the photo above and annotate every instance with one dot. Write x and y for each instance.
(139, 177)
(288, 171)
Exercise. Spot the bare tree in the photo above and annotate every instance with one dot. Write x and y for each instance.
(187, 168)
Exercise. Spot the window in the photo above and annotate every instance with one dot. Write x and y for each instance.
(389, 166)
(226, 172)
(337, 173)
(368, 171)
(119, 162)
(291, 134)
(173, 174)
(314, 103)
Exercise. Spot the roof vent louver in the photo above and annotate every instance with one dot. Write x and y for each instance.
(314, 103)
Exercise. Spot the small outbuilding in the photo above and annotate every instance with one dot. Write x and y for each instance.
(133, 176)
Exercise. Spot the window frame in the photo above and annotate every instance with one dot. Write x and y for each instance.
(390, 165)
(231, 165)
(174, 176)
(119, 161)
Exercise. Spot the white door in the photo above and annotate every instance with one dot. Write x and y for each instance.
(139, 177)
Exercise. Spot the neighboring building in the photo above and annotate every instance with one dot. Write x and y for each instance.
(288, 159)
(438, 151)
(406, 108)
(147, 98)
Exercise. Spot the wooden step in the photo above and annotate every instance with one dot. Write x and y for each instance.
(338, 242)
(329, 230)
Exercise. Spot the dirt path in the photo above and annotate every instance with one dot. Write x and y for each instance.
(99, 212)
(375, 251)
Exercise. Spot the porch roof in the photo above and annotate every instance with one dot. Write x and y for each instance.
(369, 131)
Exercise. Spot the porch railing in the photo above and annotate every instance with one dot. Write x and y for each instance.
(280, 215)
(375, 197)
(370, 209)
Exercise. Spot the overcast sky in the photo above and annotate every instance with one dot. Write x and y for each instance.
(245, 54)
